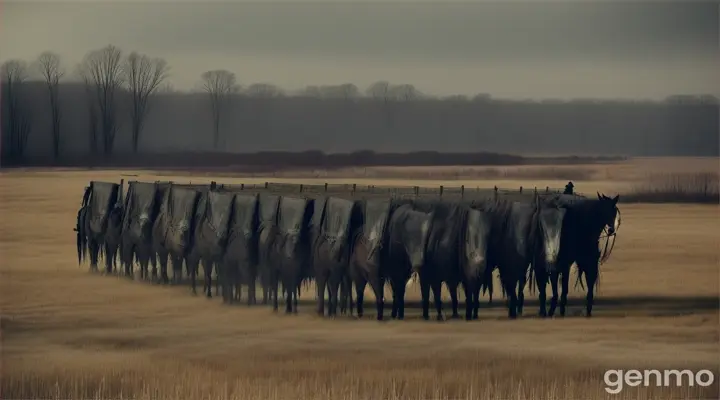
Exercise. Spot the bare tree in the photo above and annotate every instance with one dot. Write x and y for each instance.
(102, 72)
(143, 76)
(14, 73)
(311, 91)
(349, 91)
(220, 85)
(382, 92)
(261, 107)
(404, 92)
(48, 63)
(264, 91)
(91, 104)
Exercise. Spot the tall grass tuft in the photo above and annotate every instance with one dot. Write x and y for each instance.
(701, 188)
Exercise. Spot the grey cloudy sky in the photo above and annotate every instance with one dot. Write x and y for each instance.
(581, 48)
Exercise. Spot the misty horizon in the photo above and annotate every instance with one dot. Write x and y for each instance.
(519, 50)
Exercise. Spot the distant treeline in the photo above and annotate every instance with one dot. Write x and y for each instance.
(277, 161)
(46, 121)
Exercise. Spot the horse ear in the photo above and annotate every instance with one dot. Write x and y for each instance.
(615, 199)
(599, 196)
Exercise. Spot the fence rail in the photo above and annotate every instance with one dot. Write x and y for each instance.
(354, 189)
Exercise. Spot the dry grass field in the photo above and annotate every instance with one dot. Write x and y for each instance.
(67, 333)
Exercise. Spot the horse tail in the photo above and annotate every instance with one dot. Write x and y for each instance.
(578, 280)
(530, 276)
(81, 240)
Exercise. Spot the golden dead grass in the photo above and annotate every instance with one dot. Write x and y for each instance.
(70, 334)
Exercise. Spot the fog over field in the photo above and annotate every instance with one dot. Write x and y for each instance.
(638, 52)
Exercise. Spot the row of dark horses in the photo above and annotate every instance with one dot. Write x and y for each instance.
(341, 241)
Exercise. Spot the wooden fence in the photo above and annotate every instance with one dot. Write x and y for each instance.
(353, 189)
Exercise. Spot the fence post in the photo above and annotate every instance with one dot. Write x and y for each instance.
(213, 185)
(547, 189)
(535, 190)
(266, 185)
(441, 190)
(520, 189)
(417, 190)
(326, 187)
(301, 187)
(242, 186)
(495, 191)
(354, 188)
(462, 191)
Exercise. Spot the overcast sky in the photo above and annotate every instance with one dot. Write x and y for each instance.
(520, 49)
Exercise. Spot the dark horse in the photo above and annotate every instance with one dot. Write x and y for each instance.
(99, 224)
(584, 221)
(335, 220)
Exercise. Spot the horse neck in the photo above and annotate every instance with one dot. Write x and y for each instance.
(588, 211)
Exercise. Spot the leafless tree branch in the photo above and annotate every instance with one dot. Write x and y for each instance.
(102, 70)
(220, 85)
(13, 75)
(143, 77)
(48, 63)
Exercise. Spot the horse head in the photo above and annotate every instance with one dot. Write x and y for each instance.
(608, 212)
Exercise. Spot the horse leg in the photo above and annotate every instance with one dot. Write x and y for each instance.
(437, 298)
(395, 301)
(162, 258)
(218, 279)
(541, 282)
(143, 258)
(565, 289)
(475, 300)
(425, 296)
(554, 275)
(109, 257)
(469, 303)
(177, 264)
(333, 286)
(252, 296)
(378, 286)
(350, 303)
(289, 288)
(510, 282)
(590, 270)
(320, 282)
(207, 287)
(274, 282)
(489, 286)
(345, 288)
(360, 284)
(452, 288)
(94, 250)
(193, 265)
(400, 308)
(521, 292)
